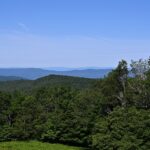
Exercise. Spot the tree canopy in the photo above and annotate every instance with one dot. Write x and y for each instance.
(112, 113)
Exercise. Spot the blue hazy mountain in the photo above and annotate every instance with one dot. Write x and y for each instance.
(86, 73)
(70, 69)
(28, 73)
(34, 73)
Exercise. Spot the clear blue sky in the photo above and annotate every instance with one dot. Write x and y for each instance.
(73, 33)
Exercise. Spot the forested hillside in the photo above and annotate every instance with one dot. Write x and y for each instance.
(106, 114)
(10, 78)
(48, 81)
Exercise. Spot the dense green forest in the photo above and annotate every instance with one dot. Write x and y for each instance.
(48, 81)
(112, 113)
(10, 78)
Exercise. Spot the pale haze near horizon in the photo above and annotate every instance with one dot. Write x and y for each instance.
(73, 34)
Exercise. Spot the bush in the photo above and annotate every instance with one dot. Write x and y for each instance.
(123, 129)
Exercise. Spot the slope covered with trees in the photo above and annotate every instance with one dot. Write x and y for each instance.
(10, 78)
(111, 114)
(48, 81)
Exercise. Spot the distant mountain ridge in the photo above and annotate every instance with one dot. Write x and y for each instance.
(28, 73)
(71, 69)
(35, 73)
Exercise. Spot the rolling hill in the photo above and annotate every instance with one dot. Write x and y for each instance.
(28, 73)
(35, 73)
(10, 78)
(47, 81)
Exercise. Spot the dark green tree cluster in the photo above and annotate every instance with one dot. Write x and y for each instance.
(112, 114)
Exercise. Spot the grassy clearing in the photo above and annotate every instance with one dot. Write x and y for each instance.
(33, 145)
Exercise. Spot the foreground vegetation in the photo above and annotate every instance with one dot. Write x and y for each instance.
(111, 114)
(34, 146)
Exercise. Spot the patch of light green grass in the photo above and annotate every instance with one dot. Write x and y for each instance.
(33, 145)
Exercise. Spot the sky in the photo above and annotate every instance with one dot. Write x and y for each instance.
(73, 33)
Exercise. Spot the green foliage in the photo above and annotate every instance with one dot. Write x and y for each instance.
(123, 129)
(48, 81)
(106, 114)
(10, 78)
(114, 88)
